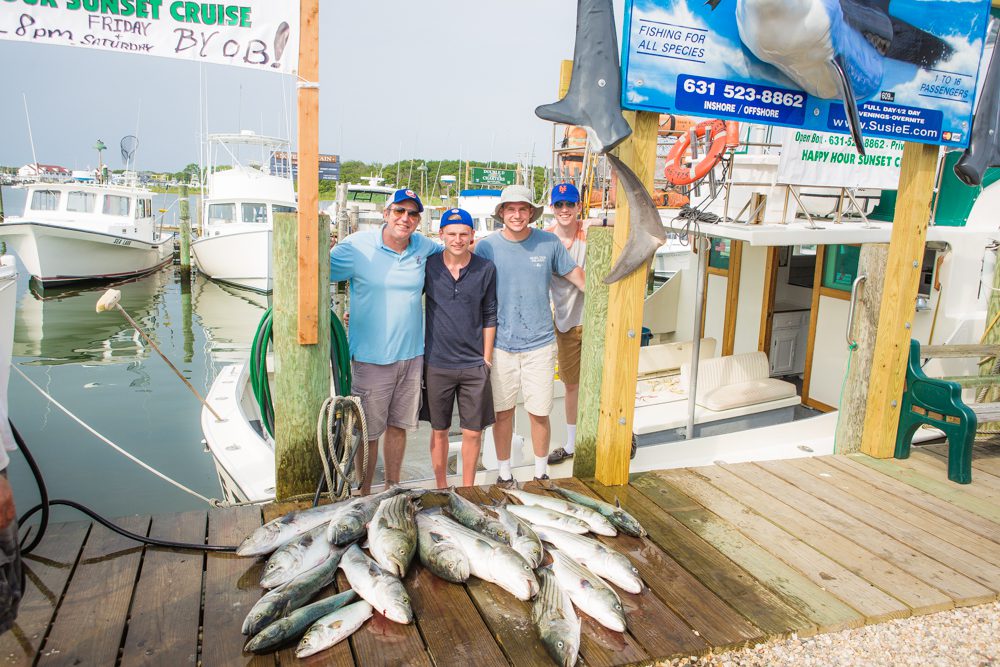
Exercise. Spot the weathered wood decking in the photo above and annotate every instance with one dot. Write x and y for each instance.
(736, 553)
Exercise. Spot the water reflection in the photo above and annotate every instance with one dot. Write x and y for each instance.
(61, 326)
(228, 316)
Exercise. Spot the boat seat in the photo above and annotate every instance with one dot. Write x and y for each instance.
(736, 381)
(668, 357)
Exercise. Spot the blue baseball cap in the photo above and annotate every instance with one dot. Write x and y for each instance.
(457, 216)
(403, 195)
(565, 192)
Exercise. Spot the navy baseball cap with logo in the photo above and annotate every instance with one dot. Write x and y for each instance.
(403, 195)
(456, 216)
(565, 192)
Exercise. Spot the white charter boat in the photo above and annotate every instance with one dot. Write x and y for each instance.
(248, 179)
(77, 231)
(369, 199)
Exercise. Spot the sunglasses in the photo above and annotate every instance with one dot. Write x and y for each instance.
(400, 211)
(564, 204)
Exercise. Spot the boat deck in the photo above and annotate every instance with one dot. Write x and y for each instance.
(735, 554)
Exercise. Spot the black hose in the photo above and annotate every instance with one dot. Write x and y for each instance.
(45, 504)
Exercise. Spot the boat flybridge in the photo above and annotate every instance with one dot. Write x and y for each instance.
(248, 179)
(79, 231)
(368, 199)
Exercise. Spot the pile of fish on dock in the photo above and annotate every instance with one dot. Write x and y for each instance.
(502, 544)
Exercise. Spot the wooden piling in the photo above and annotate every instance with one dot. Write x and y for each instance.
(991, 336)
(309, 294)
(185, 215)
(851, 421)
(892, 344)
(595, 315)
(302, 372)
(624, 321)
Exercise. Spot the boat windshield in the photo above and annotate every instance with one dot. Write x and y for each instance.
(221, 213)
(254, 212)
(367, 196)
(81, 202)
(281, 208)
(45, 200)
(115, 205)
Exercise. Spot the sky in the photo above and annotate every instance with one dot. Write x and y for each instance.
(398, 79)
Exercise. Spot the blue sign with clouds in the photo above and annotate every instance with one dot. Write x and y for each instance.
(908, 66)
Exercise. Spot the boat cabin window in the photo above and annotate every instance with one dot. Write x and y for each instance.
(254, 212)
(367, 196)
(144, 209)
(281, 208)
(802, 266)
(840, 266)
(718, 255)
(221, 213)
(81, 202)
(45, 200)
(115, 205)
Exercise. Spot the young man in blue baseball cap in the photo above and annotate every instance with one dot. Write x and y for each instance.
(386, 334)
(567, 300)
(461, 326)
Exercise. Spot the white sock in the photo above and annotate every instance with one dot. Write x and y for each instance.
(504, 468)
(570, 437)
(541, 465)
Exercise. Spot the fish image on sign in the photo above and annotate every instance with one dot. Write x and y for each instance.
(896, 69)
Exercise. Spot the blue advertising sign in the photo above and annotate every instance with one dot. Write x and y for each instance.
(329, 165)
(911, 68)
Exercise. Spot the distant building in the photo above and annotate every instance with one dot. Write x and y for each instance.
(43, 172)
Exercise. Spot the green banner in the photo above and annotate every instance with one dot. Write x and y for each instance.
(487, 176)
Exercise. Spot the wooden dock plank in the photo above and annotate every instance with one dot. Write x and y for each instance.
(384, 642)
(449, 622)
(163, 625)
(909, 532)
(917, 498)
(934, 482)
(729, 581)
(47, 572)
(90, 622)
(654, 625)
(882, 573)
(943, 528)
(232, 586)
(986, 457)
(957, 586)
(707, 613)
(874, 604)
(937, 455)
(825, 610)
(926, 465)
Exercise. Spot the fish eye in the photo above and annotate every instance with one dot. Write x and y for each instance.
(560, 644)
(618, 607)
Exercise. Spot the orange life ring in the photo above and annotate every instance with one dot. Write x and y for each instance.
(724, 135)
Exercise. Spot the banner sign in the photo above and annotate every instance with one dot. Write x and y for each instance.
(487, 176)
(821, 158)
(259, 34)
(329, 165)
(918, 84)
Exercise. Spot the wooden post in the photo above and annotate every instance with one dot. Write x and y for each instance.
(595, 314)
(895, 321)
(851, 421)
(186, 308)
(185, 232)
(308, 210)
(991, 336)
(624, 323)
(343, 229)
(302, 372)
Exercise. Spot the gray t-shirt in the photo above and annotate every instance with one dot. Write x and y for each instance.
(524, 272)
(567, 299)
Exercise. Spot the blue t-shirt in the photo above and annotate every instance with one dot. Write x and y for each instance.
(524, 271)
(387, 318)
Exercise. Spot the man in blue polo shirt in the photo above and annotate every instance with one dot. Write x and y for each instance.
(386, 336)
(461, 327)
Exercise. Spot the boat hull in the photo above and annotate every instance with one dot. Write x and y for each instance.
(58, 255)
(240, 257)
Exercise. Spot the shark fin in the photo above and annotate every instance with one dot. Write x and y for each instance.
(850, 105)
(645, 232)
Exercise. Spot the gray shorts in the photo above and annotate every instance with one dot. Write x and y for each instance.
(390, 394)
(471, 386)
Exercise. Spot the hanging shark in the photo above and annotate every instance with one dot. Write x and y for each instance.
(645, 232)
(983, 151)
(834, 49)
(595, 89)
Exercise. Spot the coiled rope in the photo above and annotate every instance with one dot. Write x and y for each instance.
(338, 443)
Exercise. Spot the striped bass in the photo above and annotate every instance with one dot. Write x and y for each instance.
(596, 557)
(440, 553)
(523, 539)
(291, 595)
(537, 516)
(294, 625)
(392, 534)
(304, 552)
(557, 624)
(473, 516)
(589, 592)
(624, 521)
(381, 589)
(597, 524)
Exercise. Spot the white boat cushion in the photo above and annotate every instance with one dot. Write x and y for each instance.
(736, 381)
(666, 357)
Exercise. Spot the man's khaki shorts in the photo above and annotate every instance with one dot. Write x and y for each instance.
(531, 372)
(569, 344)
(390, 394)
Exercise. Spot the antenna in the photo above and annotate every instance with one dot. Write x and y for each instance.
(31, 139)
